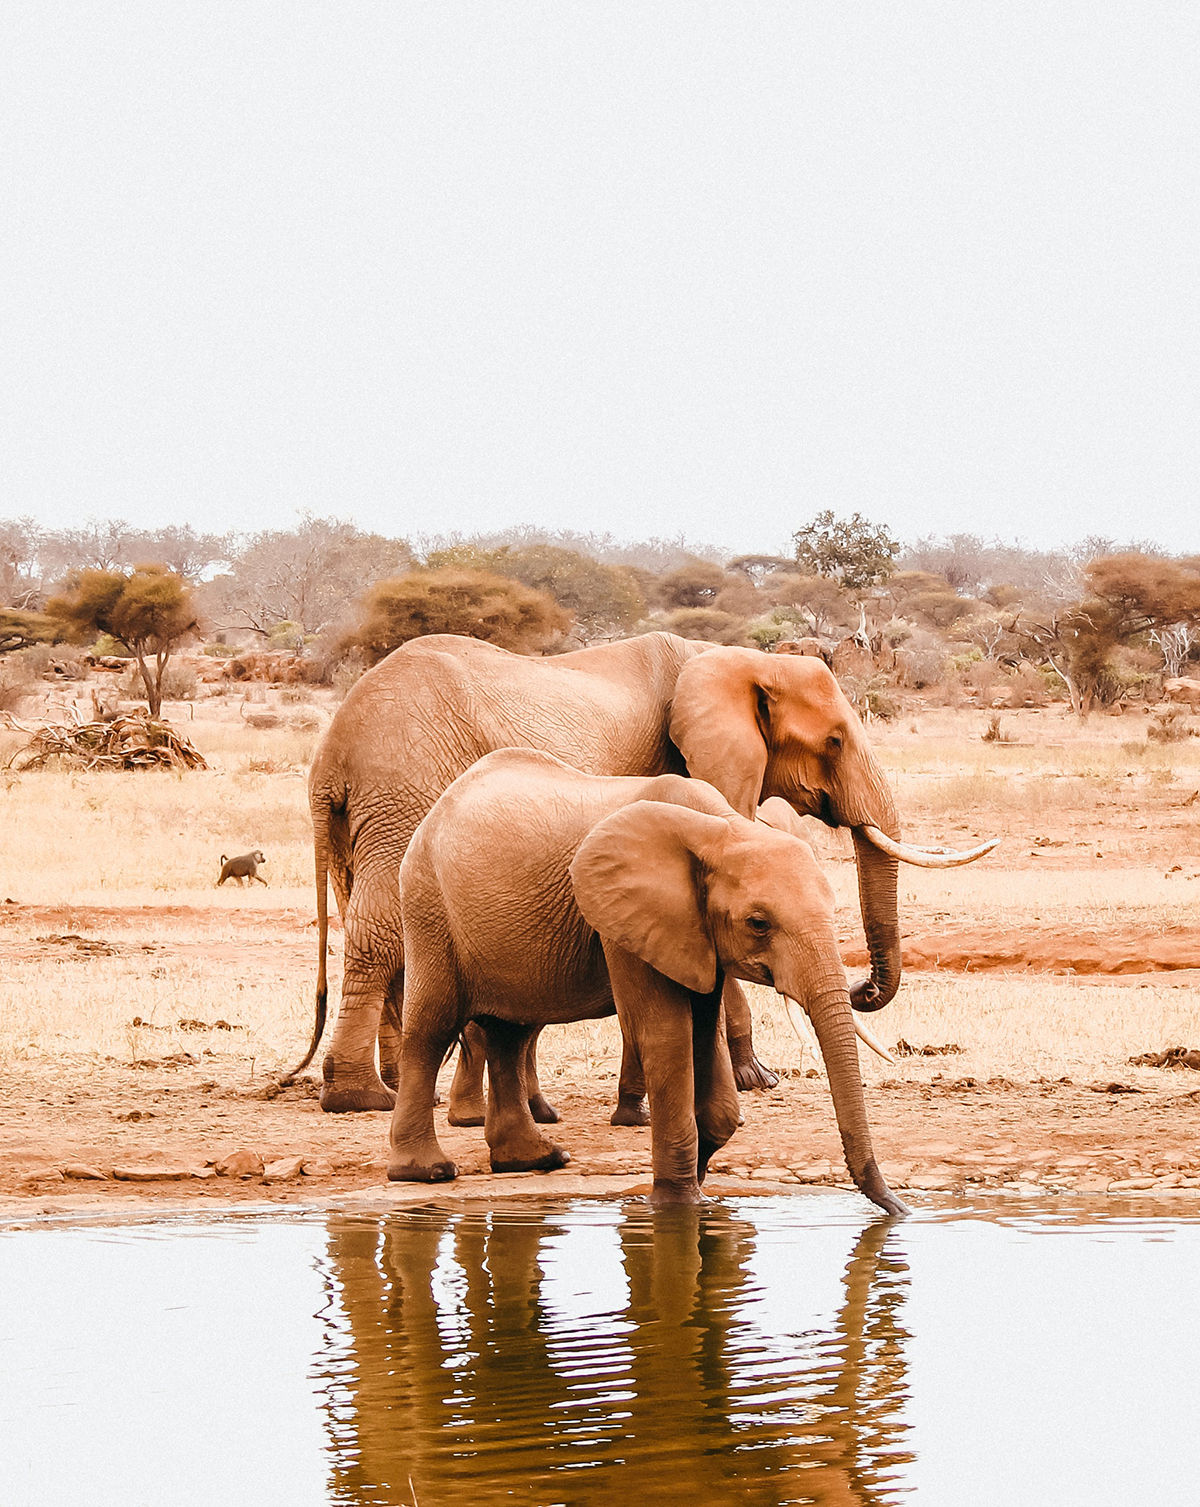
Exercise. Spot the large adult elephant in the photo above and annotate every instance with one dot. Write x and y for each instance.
(753, 725)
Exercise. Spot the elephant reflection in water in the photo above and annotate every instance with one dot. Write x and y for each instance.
(453, 1374)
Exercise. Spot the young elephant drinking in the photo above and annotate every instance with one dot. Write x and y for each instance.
(533, 894)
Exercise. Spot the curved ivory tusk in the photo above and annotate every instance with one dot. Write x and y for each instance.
(873, 1042)
(925, 858)
(801, 1026)
(804, 1030)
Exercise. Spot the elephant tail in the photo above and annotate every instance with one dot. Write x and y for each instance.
(321, 858)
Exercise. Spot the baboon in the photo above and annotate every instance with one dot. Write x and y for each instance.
(243, 868)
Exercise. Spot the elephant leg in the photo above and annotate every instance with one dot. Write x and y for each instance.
(656, 1015)
(390, 1028)
(748, 1071)
(543, 1112)
(717, 1112)
(632, 1108)
(433, 1010)
(467, 1104)
(515, 1142)
(374, 964)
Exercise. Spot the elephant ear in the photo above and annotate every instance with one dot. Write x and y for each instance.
(720, 720)
(638, 881)
(779, 814)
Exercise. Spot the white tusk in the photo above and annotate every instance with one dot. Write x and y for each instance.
(925, 858)
(803, 1029)
(873, 1042)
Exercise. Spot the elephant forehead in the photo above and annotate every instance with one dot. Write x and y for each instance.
(766, 865)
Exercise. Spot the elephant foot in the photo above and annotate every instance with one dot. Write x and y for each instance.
(632, 1109)
(351, 1093)
(748, 1071)
(543, 1112)
(465, 1113)
(401, 1170)
(549, 1160)
(664, 1194)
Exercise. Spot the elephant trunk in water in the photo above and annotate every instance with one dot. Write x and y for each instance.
(827, 1000)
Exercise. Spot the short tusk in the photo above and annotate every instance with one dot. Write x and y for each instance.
(803, 1029)
(926, 858)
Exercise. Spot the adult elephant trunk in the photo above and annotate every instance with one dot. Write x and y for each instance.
(827, 1002)
(877, 876)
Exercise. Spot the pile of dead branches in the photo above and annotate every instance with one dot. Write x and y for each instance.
(133, 741)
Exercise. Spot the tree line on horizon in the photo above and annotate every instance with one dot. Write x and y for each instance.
(1096, 623)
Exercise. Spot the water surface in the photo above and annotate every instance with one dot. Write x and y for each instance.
(762, 1351)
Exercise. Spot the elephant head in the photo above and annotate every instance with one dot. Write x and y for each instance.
(692, 894)
(760, 725)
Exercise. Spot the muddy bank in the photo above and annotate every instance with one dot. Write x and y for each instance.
(951, 1134)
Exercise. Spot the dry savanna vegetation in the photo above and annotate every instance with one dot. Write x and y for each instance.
(147, 1014)
(134, 987)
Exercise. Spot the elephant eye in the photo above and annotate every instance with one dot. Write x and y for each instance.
(759, 925)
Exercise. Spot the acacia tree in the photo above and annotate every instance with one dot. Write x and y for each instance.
(853, 550)
(148, 610)
(1130, 595)
(473, 603)
(20, 630)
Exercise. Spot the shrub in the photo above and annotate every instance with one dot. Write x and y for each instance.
(706, 623)
(472, 603)
(1170, 726)
(1027, 686)
(179, 683)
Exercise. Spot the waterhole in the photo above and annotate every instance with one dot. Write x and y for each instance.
(761, 1350)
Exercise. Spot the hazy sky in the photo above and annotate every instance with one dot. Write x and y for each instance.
(642, 267)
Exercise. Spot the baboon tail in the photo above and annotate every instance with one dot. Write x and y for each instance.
(321, 858)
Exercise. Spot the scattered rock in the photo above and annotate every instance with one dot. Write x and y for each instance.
(1172, 1057)
(813, 1172)
(135, 1115)
(92, 946)
(285, 1170)
(241, 1163)
(1113, 1088)
(153, 1174)
(316, 1167)
(84, 1173)
(906, 1049)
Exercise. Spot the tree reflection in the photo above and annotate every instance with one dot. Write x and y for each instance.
(471, 1358)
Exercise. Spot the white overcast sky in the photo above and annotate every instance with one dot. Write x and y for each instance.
(644, 267)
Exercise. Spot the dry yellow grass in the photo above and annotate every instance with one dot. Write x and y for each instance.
(76, 840)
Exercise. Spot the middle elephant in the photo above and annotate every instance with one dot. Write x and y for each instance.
(532, 894)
